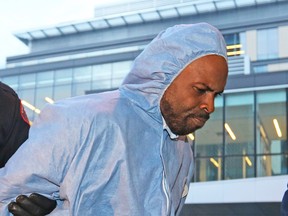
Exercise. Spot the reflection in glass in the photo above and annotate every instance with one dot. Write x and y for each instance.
(63, 76)
(270, 165)
(239, 167)
(119, 71)
(27, 81)
(41, 93)
(208, 169)
(271, 132)
(271, 114)
(45, 78)
(239, 124)
(267, 43)
(82, 78)
(101, 76)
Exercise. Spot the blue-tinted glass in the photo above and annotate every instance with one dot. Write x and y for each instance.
(271, 122)
(239, 124)
(267, 43)
(239, 167)
(45, 78)
(63, 77)
(269, 165)
(27, 81)
(208, 169)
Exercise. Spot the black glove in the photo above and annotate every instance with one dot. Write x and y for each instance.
(34, 205)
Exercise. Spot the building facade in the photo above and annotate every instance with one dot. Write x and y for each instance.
(241, 154)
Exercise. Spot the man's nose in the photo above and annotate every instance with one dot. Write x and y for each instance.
(208, 103)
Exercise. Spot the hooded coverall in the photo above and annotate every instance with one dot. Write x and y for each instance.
(111, 153)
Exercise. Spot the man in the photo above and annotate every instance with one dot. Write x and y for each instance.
(124, 152)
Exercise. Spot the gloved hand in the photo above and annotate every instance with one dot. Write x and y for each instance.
(34, 205)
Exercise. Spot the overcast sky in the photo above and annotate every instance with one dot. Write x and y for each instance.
(20, 15)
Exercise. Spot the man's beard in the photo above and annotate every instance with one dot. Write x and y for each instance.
(179, 124)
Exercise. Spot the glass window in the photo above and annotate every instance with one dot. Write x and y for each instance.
(269, 165)
(239, 124)
(63, 76)
(82, 74)
(271, 133)
(267, 43)
(82, 78)
(208, 169)
(102, 76)
(119, 71)
(232, 39)
(236, 43)
(41, 96)
(45, 78)
(27, 81)
(239, 167)
(271, 122)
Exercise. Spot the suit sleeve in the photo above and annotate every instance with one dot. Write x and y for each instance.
(41, 163)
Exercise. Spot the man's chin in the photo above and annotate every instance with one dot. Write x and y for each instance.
(186, 131)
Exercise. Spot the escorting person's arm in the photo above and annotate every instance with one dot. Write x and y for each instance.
(14, 129)
(39, 165)
(14, 124)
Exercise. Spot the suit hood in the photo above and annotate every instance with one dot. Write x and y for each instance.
(164, 58)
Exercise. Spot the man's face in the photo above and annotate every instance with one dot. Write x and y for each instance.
(189, 100)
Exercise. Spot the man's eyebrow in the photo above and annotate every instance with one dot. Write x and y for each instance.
(206, 86)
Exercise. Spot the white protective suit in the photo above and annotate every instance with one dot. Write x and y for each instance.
(110, 153)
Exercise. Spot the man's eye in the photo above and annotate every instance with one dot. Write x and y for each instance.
(200, 90)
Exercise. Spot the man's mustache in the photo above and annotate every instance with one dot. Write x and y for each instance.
(202, 115)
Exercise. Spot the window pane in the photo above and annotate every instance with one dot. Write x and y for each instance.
(82, 80)
(27, 81)
(45, 78)
(120, 70)
(63, 77)
(208, 169)
(82, 74)
(267, 43)
(239, 124)
(269, 165)
(239, 167)
(41, 94)
(271, 117)
(232, 39)
(102, 75)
